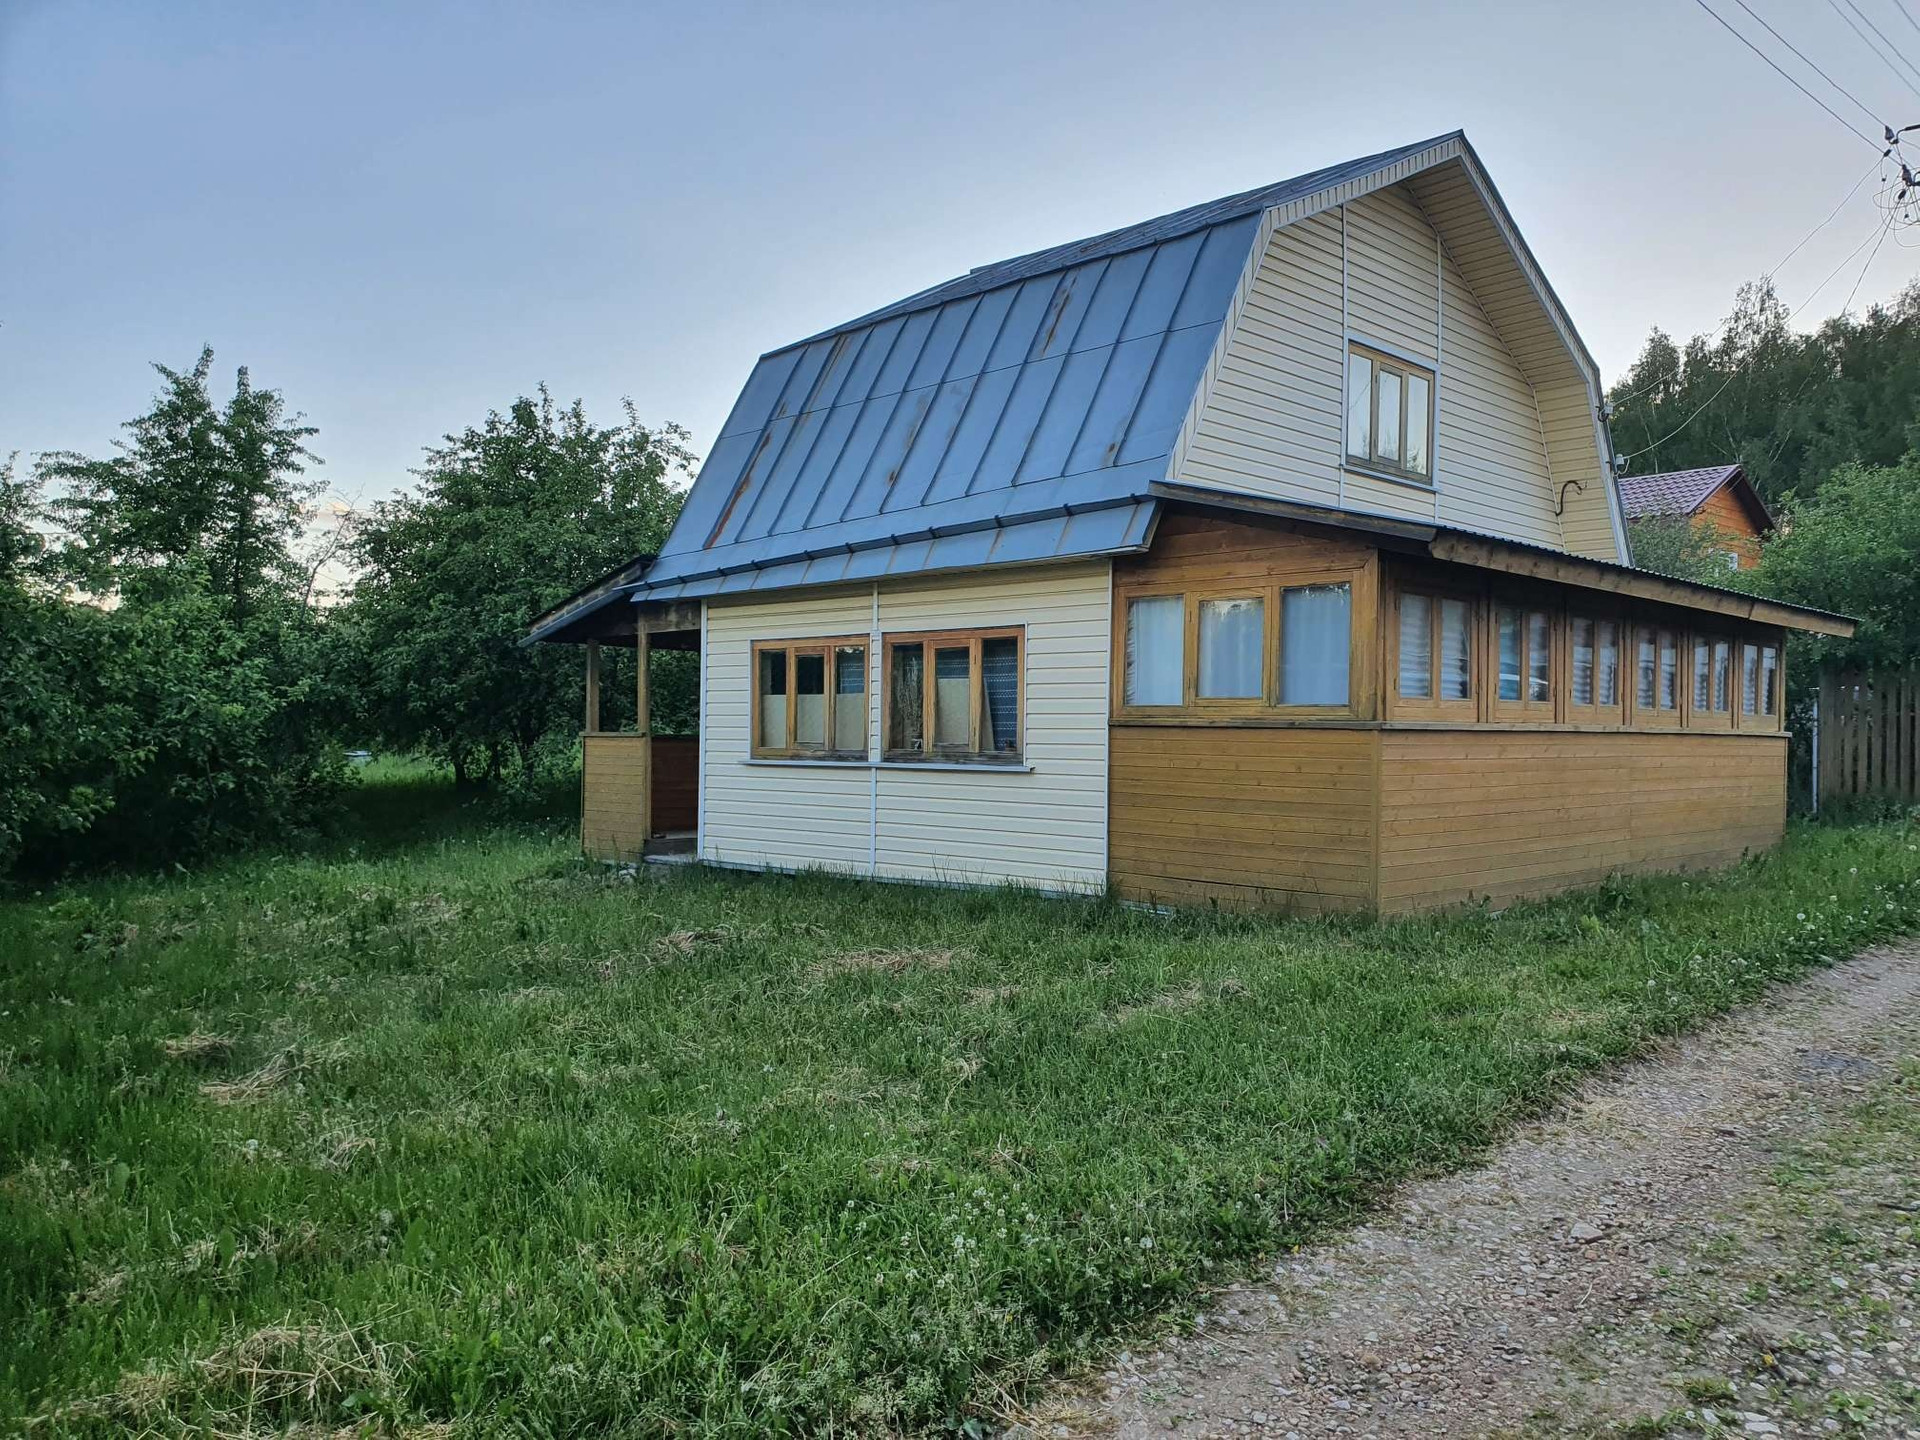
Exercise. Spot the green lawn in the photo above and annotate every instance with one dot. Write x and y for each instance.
(456, 1127)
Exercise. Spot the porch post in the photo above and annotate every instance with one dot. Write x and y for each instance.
(593, 687)
(643, 651)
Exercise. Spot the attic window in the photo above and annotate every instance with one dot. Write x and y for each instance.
(1389, 414)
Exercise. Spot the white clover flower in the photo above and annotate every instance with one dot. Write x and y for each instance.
(1146, 1242)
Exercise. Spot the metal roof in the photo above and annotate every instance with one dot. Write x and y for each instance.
(1047, 386)
(1672, 492)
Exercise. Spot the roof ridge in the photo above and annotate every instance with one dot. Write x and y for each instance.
(1155, 230)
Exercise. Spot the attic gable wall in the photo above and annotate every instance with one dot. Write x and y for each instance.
(1272, 422)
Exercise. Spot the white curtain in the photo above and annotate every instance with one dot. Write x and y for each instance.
(1456, 650)
(1315, 629)
(1232, 635)
(1416, 647)
(1582, 660)
(1156, 645)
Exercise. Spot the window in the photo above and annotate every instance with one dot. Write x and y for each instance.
(1656, 691)
(1156, 650)
(810, 699)
(1219, 651)
(954, 696)
(1524, 648)
(1233, 640)
(1702, 675)
(1316, 624)
(1722, 676)
(1769, 680)
(1389, 414)
(1435, 649)
(1749, 679)
(1595, 675)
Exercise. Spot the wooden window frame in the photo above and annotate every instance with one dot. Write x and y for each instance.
(1628, 679)
(1713, 717)
(1434, 707)
(1760, 720)
(1271, 592)
(972, 640)
(1542, 712)
(827, 645)
(1405, 369)
(1653, 717)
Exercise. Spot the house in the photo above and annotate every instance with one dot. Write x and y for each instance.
(1718, 500)
(1265, 553)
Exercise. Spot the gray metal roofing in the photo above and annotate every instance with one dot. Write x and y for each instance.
(1671, 492)
(1051, 384)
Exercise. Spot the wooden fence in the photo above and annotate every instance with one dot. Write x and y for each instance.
(1869, 735)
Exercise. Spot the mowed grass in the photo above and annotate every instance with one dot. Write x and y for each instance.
(461, 1129)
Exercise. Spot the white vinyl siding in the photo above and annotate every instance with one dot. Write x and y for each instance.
(1273, 422)
(1045, 825)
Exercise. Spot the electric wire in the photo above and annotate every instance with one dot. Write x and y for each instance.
(1878, 54)
(1761, 20)
(1774, 66)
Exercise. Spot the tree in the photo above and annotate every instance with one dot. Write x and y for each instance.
(1853, 547)
(211, 495)
(1789, 407)
(508, 519)
(160, 691)
(1674, 545)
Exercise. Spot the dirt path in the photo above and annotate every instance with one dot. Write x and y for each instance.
(1721, 1240)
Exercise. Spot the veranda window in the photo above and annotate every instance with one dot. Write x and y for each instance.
(810, 699)
(1389, 414)
(1523, 642)
(1239, 653)
(1594, 672)
(955, 696)
(1435, 638)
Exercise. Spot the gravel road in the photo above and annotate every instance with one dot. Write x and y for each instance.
(1719, 1240)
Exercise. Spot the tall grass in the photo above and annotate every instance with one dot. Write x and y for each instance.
(464, 1128)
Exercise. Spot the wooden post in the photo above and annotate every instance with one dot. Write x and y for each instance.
(593, 687)
(643, 700)
(1827, 723)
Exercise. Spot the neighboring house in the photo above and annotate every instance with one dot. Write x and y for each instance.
(1719, 500)
(1263, 553)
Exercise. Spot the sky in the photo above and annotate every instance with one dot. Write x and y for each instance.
(403, 216)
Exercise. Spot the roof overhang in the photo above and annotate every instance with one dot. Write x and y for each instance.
(1533, 562)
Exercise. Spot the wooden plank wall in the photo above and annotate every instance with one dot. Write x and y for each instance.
(1466, 814)
(676, 783)
(613, 796)
(1870, 735)
(1729, 517)
(1247, 818)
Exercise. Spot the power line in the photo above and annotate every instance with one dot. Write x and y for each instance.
(1618, 400)
(1884, 229)
(1878, 54)
(1901, 5)
(1772, 65)
(1865, 109)
(1879, 235)
(1892, 48)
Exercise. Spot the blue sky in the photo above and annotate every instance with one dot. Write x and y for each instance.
(404, 215)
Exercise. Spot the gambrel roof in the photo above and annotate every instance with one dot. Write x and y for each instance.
(1023, 411)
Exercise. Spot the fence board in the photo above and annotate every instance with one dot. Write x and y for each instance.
(1870, 735)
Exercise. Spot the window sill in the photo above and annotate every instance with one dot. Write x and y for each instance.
(978, 767)
(1425, 486)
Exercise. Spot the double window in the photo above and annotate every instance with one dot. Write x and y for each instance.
(1593, 678)
(1434, 660)
(810, 699)
(1656, 695)
(1389, 414)
(1523, 652)
(954, 695)
(1712, 676)
(1285, 645)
